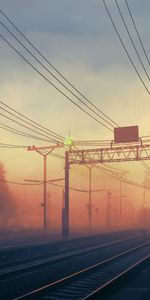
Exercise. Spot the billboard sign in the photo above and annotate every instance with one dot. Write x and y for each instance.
(126, 134)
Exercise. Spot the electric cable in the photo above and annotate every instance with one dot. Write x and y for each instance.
(56, 70)
(134, 183)
(137, 32)
(125, 49)
(52, 140)
(21, 133)
(59, 81)
(131, 39)
(41, 74)
(30, 122)
(12, 146)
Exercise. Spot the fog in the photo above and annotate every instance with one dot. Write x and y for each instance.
(8, 207)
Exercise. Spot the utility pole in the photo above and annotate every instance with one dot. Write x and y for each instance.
(41, 151)
(144, 189)
(120, 192)
(90, 196)
(108, 215)
(65, 211)
(120, 197)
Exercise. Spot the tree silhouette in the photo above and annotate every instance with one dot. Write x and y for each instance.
(7, 203)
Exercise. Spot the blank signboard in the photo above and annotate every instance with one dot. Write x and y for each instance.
(126, 134)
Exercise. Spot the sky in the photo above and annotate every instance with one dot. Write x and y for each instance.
(78, 38)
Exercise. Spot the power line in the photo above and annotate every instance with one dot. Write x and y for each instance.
(113, 168)
(114, 175)
(76, 189)
(12, 114)
(12, 146)
(118, 173)
(31, 122)
(21, 133)
(59, 81)
(145, 166)
(81, 190)
(19, 183)
(64, 94)
(26, 126)
(124, 47)
(133, 44)
(138, 34)
(106, 143)
(56, 70)
(55, 78)
(41, 183)
(55, 155)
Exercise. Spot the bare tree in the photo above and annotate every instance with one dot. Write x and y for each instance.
(7, 203)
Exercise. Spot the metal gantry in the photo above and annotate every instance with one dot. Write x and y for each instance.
(110, 154)
(115, 153)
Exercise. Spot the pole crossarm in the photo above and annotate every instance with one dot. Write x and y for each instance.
(109, 154)
(41, 181)
(48, 148)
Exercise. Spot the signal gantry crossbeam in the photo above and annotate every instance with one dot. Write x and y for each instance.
(110, 154)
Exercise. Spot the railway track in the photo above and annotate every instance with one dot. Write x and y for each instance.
(15, 268)
(109, 289)
(94, 280)
(19, 254)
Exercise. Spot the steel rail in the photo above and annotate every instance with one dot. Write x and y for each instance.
(51, 291)
(108, 286)
(16, 267)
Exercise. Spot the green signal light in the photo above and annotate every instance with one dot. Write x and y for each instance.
(68, 142)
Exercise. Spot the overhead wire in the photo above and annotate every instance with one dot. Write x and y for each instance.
(29, 123)
(137, 32)
(113, 168)
(115, 176)
(12, 146)
(21, 133)
(64, 94)
(59, 81)
(55, 155)
(17, 122)
(30, 44)
(145, 166)
(131, 39)
(124, 47)
(130, 182)
(56, 70)
(64, 77)
(54, 135)
(134, 46)
(19, 183)
(41, 183)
